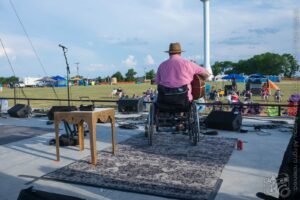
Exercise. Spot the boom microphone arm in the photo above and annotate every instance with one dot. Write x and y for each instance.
(65, 49)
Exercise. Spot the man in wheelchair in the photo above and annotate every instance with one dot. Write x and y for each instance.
(177, 72)
(174, 77)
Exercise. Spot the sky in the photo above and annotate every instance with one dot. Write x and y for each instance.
(116, 35)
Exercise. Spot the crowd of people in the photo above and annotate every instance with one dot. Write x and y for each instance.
(232, 96)
(266, 93)
(235, 96)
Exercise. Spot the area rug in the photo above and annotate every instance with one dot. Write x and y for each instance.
(171, 168)
(10, 133)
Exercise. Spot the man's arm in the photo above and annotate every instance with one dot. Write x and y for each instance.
(203, 73)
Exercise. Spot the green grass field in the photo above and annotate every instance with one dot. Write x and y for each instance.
(103, 92)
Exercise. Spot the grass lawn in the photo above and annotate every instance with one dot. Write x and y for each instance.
(103, 92)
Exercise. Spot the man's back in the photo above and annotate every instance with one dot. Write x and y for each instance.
(176, 72)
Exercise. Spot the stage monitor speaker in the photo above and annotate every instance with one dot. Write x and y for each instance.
(20, 111)
(54, 109)
(224, 120)
(131, 105)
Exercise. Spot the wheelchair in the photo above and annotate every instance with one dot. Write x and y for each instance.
(171, 108)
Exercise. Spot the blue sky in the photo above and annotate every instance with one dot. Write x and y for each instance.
(115, 35)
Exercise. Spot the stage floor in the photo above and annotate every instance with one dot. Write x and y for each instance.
(245, 174)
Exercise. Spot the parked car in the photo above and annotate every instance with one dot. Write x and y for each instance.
(41, 84)
(44, 84)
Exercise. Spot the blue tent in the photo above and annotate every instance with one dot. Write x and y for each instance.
(237, 77)
(274, 78)
(59, 81)
(257, 76)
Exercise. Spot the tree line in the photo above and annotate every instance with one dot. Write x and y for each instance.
(266, 63)
(9, 80)
(129, 76)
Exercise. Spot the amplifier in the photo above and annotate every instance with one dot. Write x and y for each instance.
(54, 109)
(131, 105)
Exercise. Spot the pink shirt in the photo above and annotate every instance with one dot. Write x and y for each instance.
(176, 72)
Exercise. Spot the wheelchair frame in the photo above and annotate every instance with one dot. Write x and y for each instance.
(193, 123)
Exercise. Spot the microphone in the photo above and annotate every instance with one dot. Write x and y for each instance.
(62, 46)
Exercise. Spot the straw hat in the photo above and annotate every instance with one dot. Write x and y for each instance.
(174, 48)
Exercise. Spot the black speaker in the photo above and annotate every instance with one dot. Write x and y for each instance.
(224, 120)
(54, 109)
(89, 107)
(131, 105)
(20, 111)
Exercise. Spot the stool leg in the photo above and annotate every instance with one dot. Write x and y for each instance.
(81, 135)
(113, 134)
(57, 140)
(92, 128)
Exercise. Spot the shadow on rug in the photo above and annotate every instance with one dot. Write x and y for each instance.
(171, 168)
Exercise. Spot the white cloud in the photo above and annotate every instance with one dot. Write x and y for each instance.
(149, 60)
(130, 61)
(95, 67)
(195, 57)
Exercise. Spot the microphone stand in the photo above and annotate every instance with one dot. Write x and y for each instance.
(15, 92)
(67, 126)
(68, 72)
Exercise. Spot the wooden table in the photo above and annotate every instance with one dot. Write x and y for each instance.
(91, 118)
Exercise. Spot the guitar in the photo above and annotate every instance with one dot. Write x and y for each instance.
(198, 87)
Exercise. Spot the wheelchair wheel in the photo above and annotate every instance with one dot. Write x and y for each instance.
(195, 125)
(151, 124)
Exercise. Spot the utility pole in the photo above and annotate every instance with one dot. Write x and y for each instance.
(77, 68)
(206, 30)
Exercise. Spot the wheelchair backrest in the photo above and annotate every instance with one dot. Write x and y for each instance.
(173, 97)
(163, 90)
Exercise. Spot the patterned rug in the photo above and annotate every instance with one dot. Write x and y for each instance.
(171, 168)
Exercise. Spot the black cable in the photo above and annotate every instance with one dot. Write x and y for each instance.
(11, 67)
(8, 60)
(31, 44)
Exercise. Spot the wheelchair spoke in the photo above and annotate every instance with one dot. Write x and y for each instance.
(151, 124)
(158, 118)
(195, 124)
